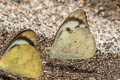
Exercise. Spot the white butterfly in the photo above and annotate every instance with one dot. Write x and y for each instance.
(74, 39)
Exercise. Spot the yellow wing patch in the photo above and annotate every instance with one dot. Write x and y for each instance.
(22, 58)
(74, 39)
(30, 35)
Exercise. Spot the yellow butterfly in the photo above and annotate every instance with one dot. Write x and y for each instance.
(21, 56)
(74, 39)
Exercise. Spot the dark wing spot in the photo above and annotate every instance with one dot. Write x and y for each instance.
(77, 26)
(86, 26)
(19, 1)
(75, 41)
(81, 21)
(68, 30)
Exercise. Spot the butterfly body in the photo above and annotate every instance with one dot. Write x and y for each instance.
(74, 39)
(21, 57)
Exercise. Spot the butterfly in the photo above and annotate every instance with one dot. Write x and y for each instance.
(74, 39)
(21, 57)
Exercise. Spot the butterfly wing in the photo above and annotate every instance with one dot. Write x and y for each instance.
(21, 56)
(74, 39)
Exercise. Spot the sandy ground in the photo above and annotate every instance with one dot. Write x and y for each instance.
(40, 15)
